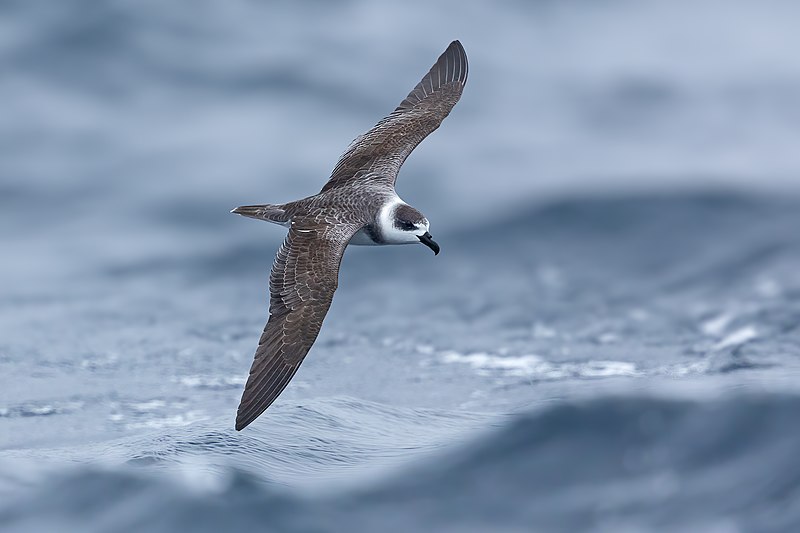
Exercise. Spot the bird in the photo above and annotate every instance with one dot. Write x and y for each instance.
(358, 205)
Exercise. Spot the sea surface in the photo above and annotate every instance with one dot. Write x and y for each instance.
(609, 340)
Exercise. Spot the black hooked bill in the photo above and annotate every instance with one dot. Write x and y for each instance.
(428, 241)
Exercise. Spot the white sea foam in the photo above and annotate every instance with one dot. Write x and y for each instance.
(684, 369)
(534, 366)
(211, 382)
(737, 338)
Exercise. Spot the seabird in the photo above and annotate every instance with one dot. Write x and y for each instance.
(358, 205)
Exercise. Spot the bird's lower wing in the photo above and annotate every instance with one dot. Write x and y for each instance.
(302, 282)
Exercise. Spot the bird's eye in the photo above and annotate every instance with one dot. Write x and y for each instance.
(406, 226)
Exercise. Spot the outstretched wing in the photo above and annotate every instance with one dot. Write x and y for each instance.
(379, 153)
(302, 282)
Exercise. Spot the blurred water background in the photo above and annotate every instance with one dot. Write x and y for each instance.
(610, 340)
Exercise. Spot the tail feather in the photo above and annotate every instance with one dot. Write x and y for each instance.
(269, 212)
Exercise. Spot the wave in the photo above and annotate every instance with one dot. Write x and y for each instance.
(608, 464)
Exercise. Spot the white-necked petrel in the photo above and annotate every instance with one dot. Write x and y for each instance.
(358, 205)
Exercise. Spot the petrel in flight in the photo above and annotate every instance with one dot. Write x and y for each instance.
(358, 205)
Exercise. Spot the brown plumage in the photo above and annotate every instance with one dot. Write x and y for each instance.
(358, 199)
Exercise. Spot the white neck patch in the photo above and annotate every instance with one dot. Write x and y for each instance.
(389, 233)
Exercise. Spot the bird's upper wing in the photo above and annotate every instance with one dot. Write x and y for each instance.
(302, 282)
(379, 153)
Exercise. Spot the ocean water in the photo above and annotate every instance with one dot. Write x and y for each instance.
(609, 340)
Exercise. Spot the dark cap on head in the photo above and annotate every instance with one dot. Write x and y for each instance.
(409, 215)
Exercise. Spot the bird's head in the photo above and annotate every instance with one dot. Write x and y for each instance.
(402, 224)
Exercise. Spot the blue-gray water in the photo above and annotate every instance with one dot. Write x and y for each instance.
(609, 341)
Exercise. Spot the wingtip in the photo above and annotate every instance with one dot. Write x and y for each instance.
(456, 49)
(456, 45)
(241, 424)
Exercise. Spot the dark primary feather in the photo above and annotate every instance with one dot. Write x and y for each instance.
(300, 297)
(379, 153)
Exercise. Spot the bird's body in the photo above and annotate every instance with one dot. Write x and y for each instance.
(358, 205)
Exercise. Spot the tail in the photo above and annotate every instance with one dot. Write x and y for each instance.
(269, 212)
